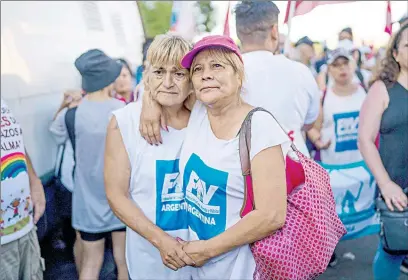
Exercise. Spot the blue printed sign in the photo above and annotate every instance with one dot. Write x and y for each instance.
(170, 204)
(206, 198)
(354, 191)
(346, 131)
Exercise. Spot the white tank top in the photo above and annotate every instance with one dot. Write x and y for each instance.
(340, 125)
(155, 188)
(212, 178)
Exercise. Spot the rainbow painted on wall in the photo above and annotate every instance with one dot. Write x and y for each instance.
(12, 165)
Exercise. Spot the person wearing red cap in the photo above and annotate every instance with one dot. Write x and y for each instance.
(210, 167)
(283, 87)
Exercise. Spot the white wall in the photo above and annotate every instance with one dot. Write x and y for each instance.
(40, 41)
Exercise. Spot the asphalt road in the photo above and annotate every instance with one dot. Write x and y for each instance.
(361, 267)
(60, 266)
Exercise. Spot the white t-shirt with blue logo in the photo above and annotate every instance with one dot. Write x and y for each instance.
(340, 125)
(155, 188)
(212, 179)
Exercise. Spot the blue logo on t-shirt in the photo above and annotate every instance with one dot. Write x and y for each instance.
(346, 130)
(206, 198)
(170, 204)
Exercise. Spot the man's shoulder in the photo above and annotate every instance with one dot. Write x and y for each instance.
(256, 56)
(298, 66)
(295, 67)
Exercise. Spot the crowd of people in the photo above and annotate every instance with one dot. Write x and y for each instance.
(152, 157)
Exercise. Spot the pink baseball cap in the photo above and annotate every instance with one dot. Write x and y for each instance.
(207, 42)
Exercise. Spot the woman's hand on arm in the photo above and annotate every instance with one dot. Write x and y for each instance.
(269, 185)
(117, 173)
(69, 96)
(151, 119)
(371, 113)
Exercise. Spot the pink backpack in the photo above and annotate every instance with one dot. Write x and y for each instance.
(302, 248)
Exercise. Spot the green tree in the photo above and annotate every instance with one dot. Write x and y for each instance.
(207, 21)
(155, 16)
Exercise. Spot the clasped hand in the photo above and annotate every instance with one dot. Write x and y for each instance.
(176, 254)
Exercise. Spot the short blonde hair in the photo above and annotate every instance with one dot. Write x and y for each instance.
(167, 49)
(228, 57)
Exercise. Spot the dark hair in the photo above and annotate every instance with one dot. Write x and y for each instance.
(347, 30)
(359, 59)
(254, 19)
(125, 64)
(145, 47)
(389, 68)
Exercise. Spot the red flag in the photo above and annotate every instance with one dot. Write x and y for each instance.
(303, 7)
(388, 22)
(226, 23)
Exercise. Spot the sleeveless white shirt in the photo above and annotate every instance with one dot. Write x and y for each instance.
(155, 188)
(212, 179)
(340, 125)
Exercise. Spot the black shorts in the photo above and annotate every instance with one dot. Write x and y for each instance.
(87, 236)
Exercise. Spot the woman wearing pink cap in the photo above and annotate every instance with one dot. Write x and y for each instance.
(210, 168)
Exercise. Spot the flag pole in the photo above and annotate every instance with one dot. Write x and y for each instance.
(292, 9)
(388, 19)
(226, 23)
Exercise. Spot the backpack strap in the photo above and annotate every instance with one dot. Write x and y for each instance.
(361, 79)
(324, 96)
(327, 79)
(70, 124)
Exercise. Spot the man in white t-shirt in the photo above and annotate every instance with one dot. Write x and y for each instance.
(284, 87)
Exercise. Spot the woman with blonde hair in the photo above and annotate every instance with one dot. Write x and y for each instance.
(385, 111)
(210, 167)
(141, 179)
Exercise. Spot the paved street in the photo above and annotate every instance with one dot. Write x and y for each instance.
(60, 266)
(361, 267)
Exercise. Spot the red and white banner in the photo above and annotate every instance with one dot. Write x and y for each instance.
(303, 7)
(388, 21)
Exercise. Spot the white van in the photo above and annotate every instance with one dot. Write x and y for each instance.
(40, 41)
